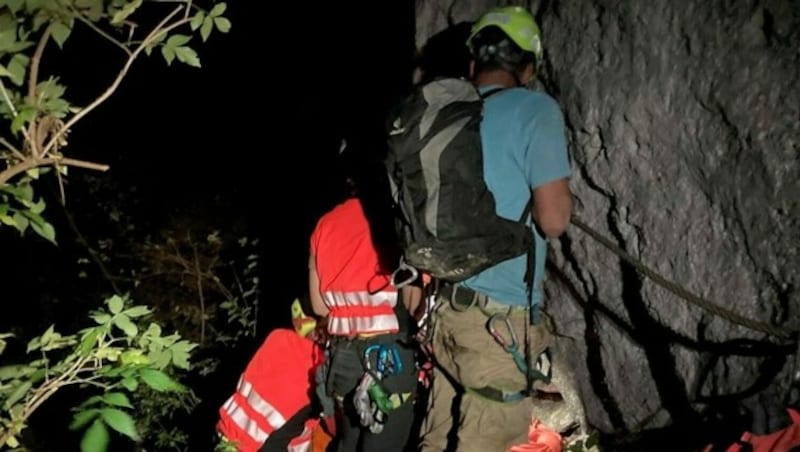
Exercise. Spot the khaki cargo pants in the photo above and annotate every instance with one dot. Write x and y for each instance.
(467, 356)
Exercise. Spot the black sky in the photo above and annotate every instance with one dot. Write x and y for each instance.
(254, 132)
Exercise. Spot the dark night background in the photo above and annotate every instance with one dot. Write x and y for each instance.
(246, 144)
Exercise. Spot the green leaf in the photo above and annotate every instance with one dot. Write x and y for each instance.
(17, 394)
(16, 371)
(117, 399)
(8, 34)
(154, 42)
(89, 341)
(14, 5)
(17, 67)
(24, 116)
(187, 55)
(93, 400)
(115, 304)
(46, 231)
(20, 222)
(160, 358)
(223, 24)
(121, 422)
(48, 334)
(34, 344)
(205, 30)
(130, 384)
(180, 354)
(592, 441)
(177, 40)
(60, 32)
(96, 438)
(124, 323)
(137, 311)
(168, 53)
(197, 20)
(7, 220)
(4, 72)
(217, 10)
(158, 380)
(101, 318)
(82, 418)
(126, 11)
(39, 206)
(154, 330)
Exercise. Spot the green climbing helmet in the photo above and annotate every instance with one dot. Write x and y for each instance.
(517, 23)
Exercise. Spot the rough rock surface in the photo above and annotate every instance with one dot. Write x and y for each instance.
(684, 128)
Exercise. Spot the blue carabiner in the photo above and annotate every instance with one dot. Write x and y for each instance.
(368, 351)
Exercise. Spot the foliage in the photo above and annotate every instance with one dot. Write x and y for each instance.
(156, 418)
(199, 281)
(225, 445)
(39, 115)
(114, 357)
(584, 443)
(19, 209)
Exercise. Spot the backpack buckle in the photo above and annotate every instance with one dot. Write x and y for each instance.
(459, 304)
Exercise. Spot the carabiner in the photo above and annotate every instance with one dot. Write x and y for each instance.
(499, 337)
(372, 348)
(413, 275)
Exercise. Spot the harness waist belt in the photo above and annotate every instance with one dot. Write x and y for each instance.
(464, 298)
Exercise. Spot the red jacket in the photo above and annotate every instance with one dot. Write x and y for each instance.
(359, 296)
(276, 384)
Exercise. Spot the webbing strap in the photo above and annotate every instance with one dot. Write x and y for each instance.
(499, 395)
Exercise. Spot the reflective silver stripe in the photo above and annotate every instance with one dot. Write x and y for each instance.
(360, 298)
(240, 418)
(345, 326)
(302, 447)
(261, 406)
(348, 325)
(303, 441)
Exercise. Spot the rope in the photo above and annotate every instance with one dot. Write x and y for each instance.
(683, 292)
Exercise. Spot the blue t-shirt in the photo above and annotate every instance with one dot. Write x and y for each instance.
(524, 145)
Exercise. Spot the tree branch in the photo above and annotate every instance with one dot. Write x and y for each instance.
(156, 32)
(11, 108)
(199, 278)
(33, 78)
(7, 99)
(102, 33)
(31, 162)
(11, 148)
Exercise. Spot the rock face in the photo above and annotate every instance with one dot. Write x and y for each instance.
(684, 127)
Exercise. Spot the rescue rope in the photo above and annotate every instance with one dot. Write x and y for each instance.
(682, 292)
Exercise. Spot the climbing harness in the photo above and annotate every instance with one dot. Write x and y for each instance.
(372, 401)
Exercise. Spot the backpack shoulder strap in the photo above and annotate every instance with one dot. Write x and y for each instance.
(491, 91)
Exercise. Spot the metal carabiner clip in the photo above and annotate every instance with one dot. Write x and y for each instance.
(403, 267)
(499, 337)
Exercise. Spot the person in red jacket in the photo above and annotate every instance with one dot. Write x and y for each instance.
(271, 409)
(372, 372)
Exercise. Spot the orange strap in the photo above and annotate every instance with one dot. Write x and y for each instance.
(540, 439)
